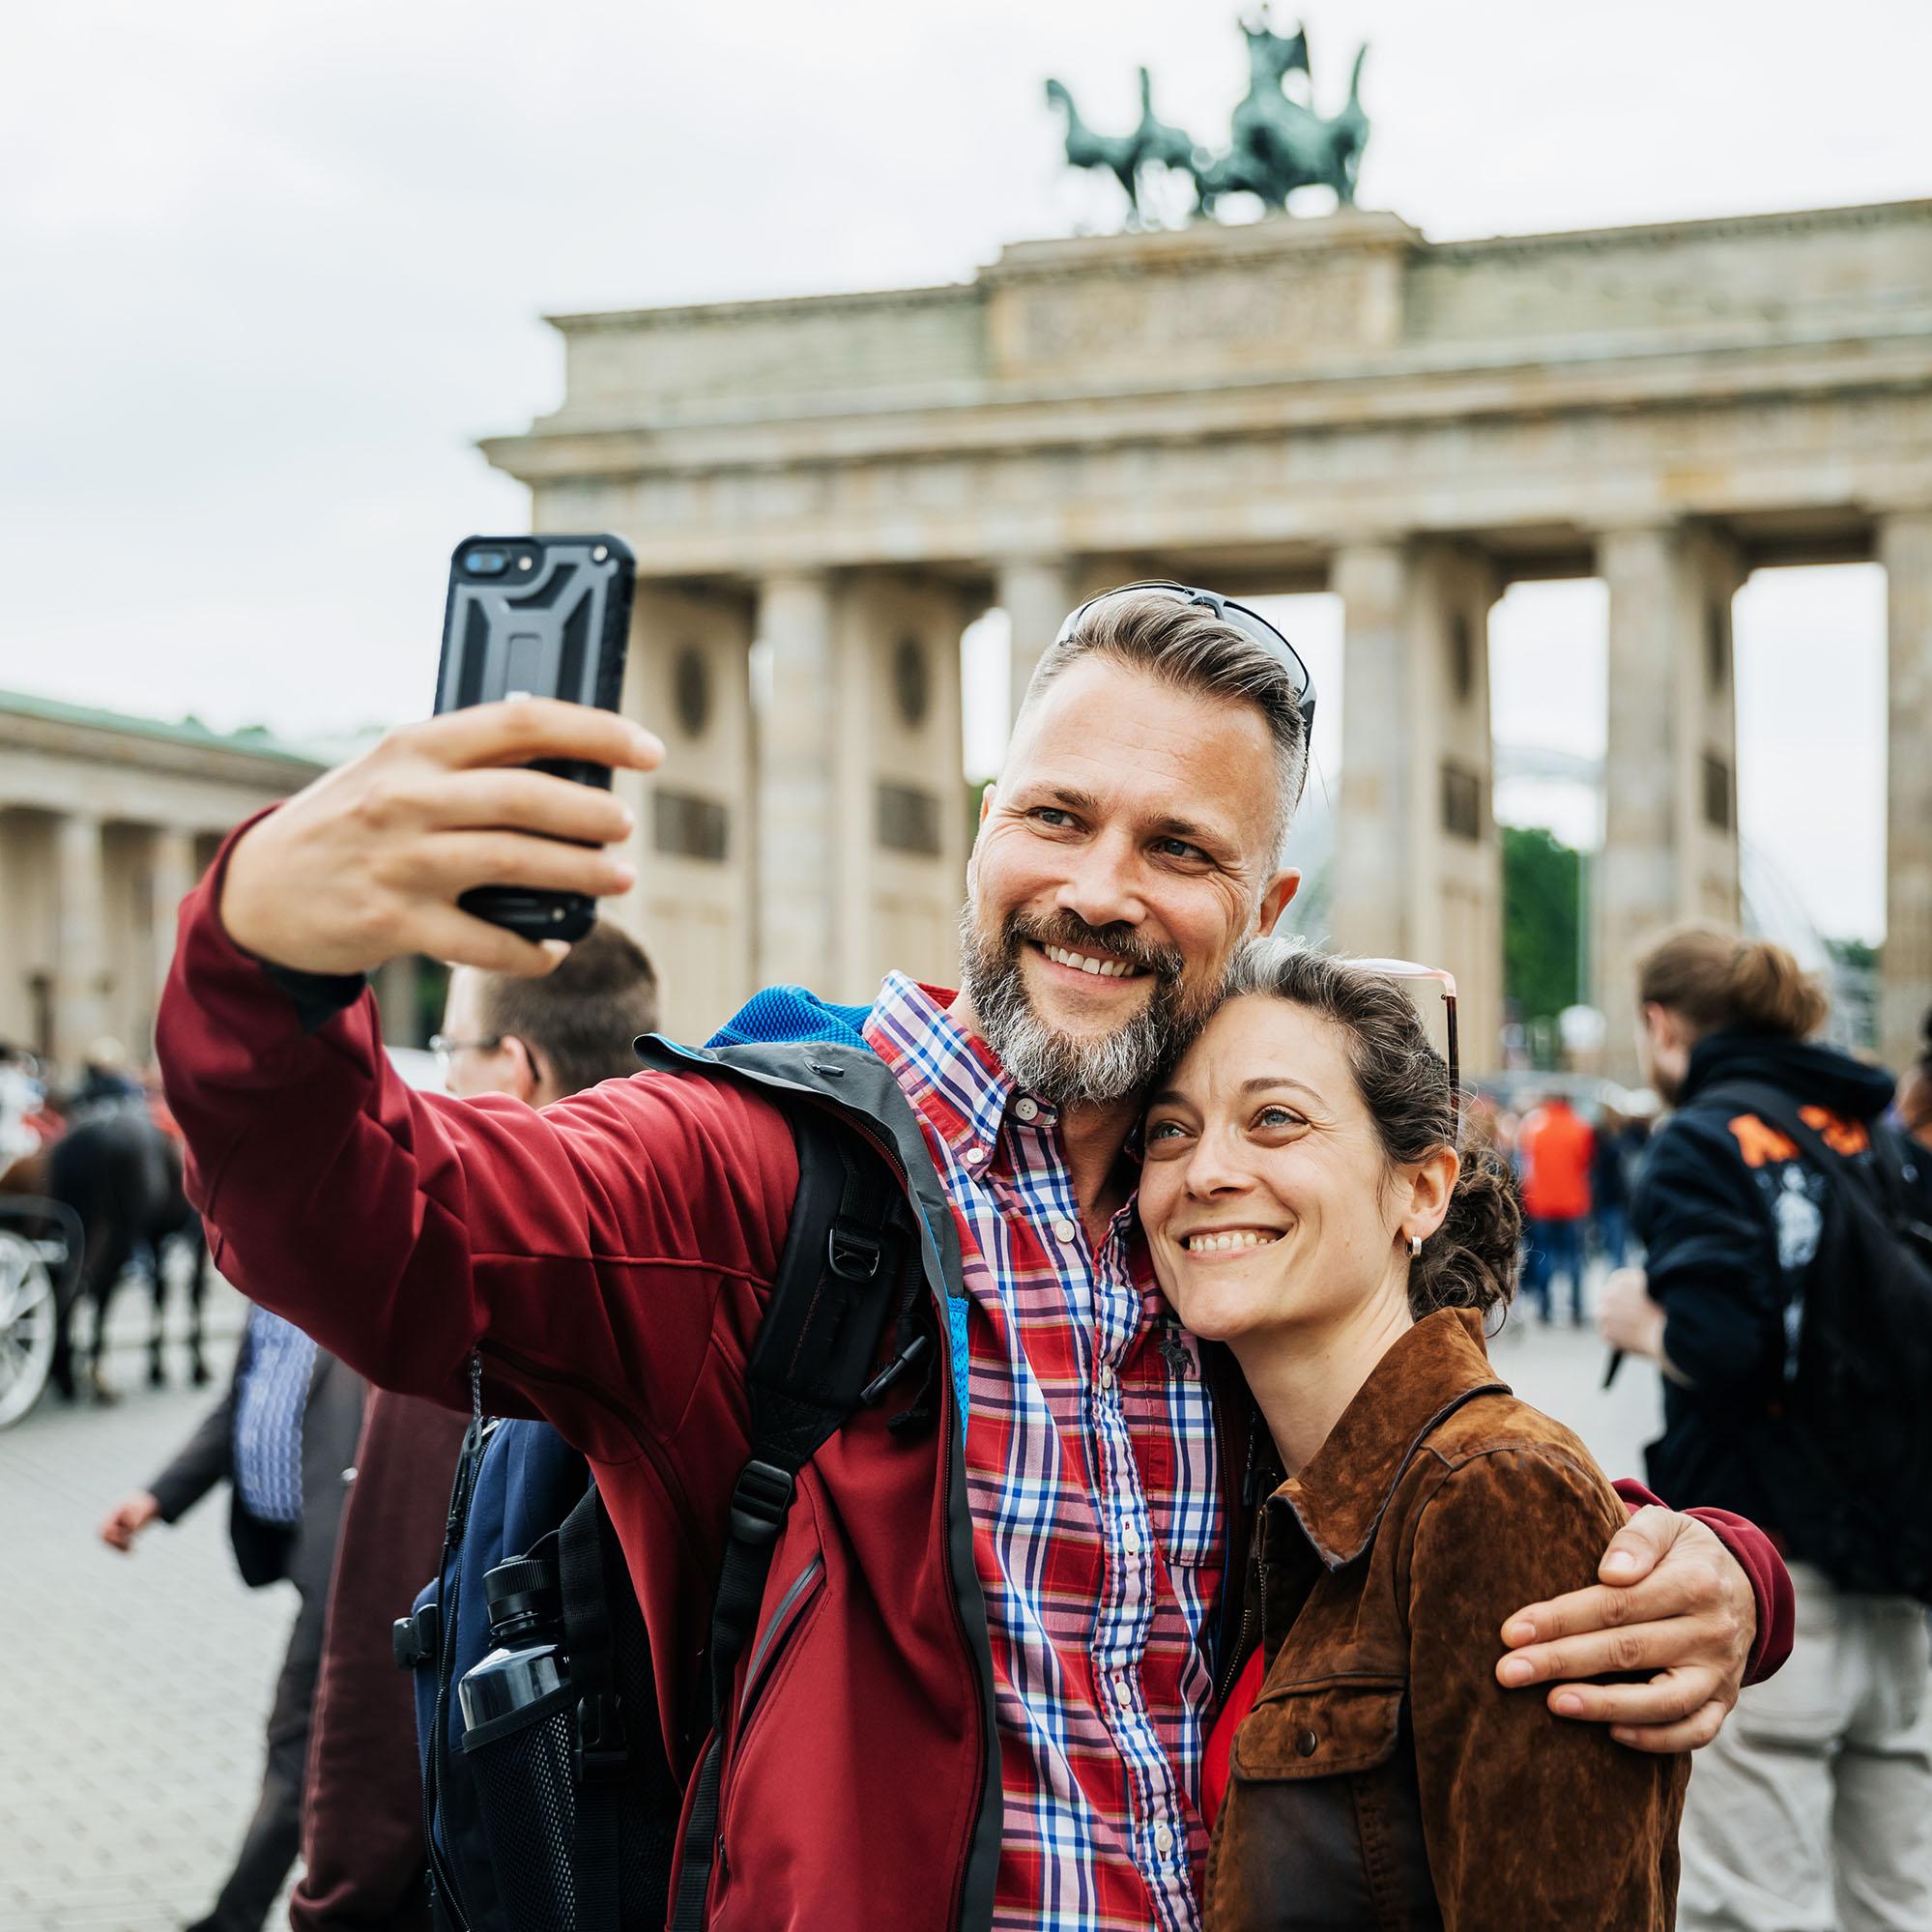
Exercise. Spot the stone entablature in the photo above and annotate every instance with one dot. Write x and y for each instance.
(1358, 292)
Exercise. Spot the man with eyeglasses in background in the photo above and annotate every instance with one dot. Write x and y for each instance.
(996, 1634)
(534, 1040)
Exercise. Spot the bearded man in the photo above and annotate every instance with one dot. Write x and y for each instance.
(986, 1650)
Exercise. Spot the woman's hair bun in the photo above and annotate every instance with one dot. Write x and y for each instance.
(1471, 1260)
(1723, 983)
(1770, 992)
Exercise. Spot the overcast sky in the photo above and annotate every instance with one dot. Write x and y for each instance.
(269, 269)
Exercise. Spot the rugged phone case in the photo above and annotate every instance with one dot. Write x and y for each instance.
(548, 617)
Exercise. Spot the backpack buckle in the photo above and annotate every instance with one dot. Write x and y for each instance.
(760, 1502)
(601, 1752)
(413, 1640)
(909, 1357)
(852, 1253)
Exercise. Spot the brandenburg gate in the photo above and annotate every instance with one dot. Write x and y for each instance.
(823, 492)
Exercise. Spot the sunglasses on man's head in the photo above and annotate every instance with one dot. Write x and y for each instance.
(1250, 624)
(1431, 991)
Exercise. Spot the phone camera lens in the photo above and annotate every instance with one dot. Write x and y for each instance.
(486, 562)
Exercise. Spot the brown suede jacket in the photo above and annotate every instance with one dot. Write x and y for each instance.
(1384, 1778)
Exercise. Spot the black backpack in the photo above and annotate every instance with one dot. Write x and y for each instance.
(1854, 1394)
(561, 1815)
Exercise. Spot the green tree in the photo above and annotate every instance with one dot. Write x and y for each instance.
(1542, 896)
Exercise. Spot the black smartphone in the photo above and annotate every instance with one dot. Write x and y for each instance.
(543, 617)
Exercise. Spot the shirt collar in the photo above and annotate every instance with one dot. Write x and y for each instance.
(1429, 1374)
(954, 1077)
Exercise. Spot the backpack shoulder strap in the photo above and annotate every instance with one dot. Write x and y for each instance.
(1893, 1171)
(1778, 1108)
(849, 1260)
(601, 1753)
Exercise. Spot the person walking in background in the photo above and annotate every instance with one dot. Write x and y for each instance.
(1555, 1149)
(1619, 1142)
(282, 1437)
(1915, 1090)
(1813, 1811)
(534, 1041)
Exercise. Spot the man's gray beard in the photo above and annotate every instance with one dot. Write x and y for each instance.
(1062, 1071)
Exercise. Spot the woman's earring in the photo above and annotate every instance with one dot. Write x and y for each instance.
(1415, 1247)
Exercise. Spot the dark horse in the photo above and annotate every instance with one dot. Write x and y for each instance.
(121, 1173)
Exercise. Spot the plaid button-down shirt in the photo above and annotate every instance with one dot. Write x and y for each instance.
(1093, 1472)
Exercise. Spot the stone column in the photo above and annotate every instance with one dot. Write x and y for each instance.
(395, 982)
(901, 806)
(693, 907)
(80, 941)
(1418, 871)
(1370, 910)
(1670, 811)
(1905, 549)
(797, 850)
(171, 857)
(1036, 593)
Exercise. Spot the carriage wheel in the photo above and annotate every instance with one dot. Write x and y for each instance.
(26, 1325)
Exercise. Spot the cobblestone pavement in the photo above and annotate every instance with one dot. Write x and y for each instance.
(136, 1687)
(131, 1724)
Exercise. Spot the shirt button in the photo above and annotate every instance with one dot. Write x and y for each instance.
(1106, 1376)
(1163, 1841)
(1026, 1108)
(1130, 1539)
(975, 1155)
(1066, 1232)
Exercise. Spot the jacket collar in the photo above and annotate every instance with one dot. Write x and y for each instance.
(1429, 1372)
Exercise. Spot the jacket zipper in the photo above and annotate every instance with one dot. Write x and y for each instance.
(771, 1646)
(1238, 1655)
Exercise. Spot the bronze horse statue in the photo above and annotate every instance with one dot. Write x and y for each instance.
(1124, 156)
(1280, 143)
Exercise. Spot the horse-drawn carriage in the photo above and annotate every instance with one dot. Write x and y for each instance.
(81, 1201)
(41, 1245)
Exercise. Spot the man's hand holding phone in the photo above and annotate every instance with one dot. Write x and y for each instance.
(366, 864)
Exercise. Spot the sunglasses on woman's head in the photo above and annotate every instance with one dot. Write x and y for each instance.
(1431, 991)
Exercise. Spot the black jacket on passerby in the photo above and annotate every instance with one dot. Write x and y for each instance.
(1610, 1166)
(1732, 1219)
(266, 1552)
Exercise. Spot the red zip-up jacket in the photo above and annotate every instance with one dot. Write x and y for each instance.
(610, 1257)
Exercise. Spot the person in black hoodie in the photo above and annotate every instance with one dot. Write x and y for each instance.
(1814, 1808)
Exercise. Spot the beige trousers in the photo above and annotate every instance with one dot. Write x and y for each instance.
(1812, 1810)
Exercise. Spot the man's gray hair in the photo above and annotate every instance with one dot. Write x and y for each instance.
(1187, 647)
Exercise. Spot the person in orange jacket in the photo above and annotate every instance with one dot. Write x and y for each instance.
(1556, 1147)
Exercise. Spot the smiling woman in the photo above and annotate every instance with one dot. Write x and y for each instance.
(1304, 1203)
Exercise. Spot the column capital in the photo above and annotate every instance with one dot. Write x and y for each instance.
(805, 581)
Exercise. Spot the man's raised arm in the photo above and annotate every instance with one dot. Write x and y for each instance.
(584, 1247)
